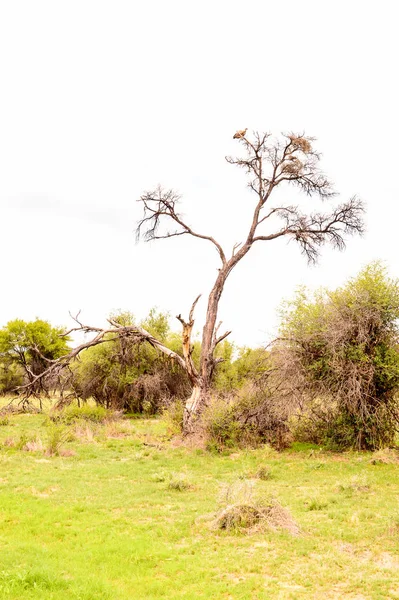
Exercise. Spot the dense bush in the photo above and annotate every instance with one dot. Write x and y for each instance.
(134, 377)
(256, 414)
(339, 356)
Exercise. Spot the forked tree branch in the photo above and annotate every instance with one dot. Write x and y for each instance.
(159, 208)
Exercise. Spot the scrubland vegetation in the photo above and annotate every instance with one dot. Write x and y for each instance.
(150, 463)
(288, 489)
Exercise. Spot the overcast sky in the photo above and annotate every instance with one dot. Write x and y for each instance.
(102, 100)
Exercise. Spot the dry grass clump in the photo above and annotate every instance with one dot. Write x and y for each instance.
(84, 432)
(386, 456)
(34, 445)
(255, 516)
(358, 483)
(117, 429)
(263, 473)
(9, 442)
(247, 513)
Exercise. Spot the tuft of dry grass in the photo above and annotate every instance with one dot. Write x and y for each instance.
(246, 512)
(84, 432)
(358, 483)
(34, 445)
(117, 429)
(252, 517)
(386, 456)
(9, 442)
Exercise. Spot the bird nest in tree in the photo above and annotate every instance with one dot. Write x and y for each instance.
(301, 143)
(293, 167)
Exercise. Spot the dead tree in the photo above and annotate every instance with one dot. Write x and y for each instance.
(269, 164)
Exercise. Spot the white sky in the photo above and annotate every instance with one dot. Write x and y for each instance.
(101, 100)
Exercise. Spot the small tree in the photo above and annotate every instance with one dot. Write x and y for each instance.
(339, 355)
(270, 164)
(33, 346)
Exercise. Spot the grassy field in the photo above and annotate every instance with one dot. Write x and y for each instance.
(126, 513)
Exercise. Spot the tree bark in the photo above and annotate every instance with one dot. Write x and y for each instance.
(193, 408)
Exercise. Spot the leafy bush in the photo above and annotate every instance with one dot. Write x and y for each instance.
(255, 415)
(11, 376)
(26, 348)
(73, 413)
(339, 357)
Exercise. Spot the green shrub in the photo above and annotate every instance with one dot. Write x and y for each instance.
(73, 413)
(57, 436)
(338, 353)
(250, 418)
(179, 482)
(173, 415)
(220, 425)
(337, 429)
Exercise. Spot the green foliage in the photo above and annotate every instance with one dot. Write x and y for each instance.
(239, 366)
(23, 340)
(57, 435)
(11, 375)
(70, 414)
(125, 375)
(248, 418)
(220, 424)
(340, 351)
(27, 347)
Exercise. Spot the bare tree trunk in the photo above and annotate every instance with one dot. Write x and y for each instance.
(192, 410)
(201, 386)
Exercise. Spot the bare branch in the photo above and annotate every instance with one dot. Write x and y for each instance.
(221, 338)
(314, 230)
(160, 207)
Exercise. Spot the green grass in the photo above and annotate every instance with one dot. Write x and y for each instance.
(127, 514)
